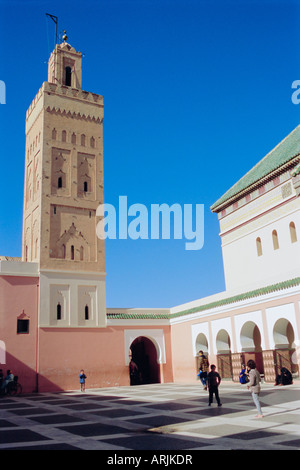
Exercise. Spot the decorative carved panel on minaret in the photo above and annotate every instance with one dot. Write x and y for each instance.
(60, 171)
(72, 227)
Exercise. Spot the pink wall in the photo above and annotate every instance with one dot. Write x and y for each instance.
(184, 363)
(18, 294)
(62, 352)
(100, 352)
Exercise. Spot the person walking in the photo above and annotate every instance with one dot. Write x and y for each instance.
(213, 382)
(254, 386)
(203, 369)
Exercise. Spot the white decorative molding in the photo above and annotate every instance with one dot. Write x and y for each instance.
(154, 335)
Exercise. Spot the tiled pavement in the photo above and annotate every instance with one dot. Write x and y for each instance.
(156, 417)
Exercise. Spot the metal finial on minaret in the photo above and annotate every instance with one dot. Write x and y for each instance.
(65, 37)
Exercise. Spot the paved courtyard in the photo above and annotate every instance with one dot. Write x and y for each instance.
(158, 417)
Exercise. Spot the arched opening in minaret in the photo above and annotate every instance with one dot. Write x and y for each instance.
(68, 76)
(86, 312)
(58, 311)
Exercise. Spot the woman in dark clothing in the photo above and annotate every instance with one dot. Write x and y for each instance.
(285, 378)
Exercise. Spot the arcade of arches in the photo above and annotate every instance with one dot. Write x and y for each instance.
(268, 362)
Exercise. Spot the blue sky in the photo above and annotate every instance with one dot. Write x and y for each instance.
(195, 93)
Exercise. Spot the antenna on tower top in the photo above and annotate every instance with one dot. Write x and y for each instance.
(55, 20)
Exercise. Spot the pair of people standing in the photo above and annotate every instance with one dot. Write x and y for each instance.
(210, 380)
(213, 381)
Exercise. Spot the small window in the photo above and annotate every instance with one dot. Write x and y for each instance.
(68, 76)
(59, 182)
(58, 311)
(72, 252)
(293, 232)
(86, 312)
(275, 240)
(85, 187)
(64, 136)
(22, 326)
(83, 140)
(81, 253)
(54, 210)
(64, 251)
(73, 138)
(258, 247)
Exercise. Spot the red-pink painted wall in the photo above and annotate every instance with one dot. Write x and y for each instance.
(19, 294)
(184, 363)
(49, 359)
(101, 353)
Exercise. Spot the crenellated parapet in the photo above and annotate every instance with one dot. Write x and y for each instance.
(52, 98)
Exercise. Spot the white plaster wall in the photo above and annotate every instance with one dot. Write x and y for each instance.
(239, 322)
(59, 293)
(196, 330)
(216, 326)
(244, 269)
(18, 268)
(2, 352)
(72, 287)
(273, 314)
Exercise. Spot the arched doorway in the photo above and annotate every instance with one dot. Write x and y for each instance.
(224, 354)
(144, 354)
(284, 337)
(251, 345)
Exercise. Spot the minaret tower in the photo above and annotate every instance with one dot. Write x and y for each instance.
(63, 188)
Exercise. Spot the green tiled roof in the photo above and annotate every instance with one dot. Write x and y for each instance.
(285, 151)
(240, 297)
(138, 316)
(219, 303)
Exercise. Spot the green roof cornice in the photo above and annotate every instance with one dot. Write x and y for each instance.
(209, 306)
(138, 316)
(241, 297)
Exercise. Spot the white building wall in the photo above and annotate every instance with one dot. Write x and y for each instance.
(243, 268)
(73, 292)
(286, 312)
